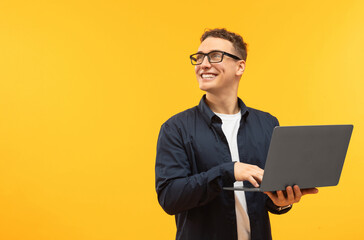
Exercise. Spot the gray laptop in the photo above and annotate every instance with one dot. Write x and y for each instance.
(307, 156)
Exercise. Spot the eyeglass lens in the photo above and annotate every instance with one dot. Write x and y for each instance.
(214, 57)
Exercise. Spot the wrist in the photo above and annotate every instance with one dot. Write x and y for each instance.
(281, 208)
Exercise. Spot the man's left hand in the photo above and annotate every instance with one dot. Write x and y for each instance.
(290, 196)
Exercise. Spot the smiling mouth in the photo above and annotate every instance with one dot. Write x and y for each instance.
(208, 76)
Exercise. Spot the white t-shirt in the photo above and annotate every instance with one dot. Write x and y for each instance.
(230, 127)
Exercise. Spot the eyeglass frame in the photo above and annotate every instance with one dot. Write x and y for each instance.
(208, 58)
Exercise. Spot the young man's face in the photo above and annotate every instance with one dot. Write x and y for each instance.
(218, 77)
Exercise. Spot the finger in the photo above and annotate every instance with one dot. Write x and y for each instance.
(280, 195)
(258, 170)
(309, 191)
(290, 195)
(271, 195)
(253, 181)
(258, 177)
(256, 167)
(297, 193)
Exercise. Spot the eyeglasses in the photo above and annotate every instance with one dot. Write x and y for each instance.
(213, 57)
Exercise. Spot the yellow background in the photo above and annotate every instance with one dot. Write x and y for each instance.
(85, 86)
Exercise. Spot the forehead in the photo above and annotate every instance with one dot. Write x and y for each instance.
(212, 43)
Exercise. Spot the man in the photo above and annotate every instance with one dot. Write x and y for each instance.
(218, 143)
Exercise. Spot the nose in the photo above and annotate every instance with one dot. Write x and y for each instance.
(205, 63)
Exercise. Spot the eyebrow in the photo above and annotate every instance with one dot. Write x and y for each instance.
(211, 51)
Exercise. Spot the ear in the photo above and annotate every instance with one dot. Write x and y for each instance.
(241, 68)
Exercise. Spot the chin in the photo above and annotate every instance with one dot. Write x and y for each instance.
(205, 84)
(205, 87)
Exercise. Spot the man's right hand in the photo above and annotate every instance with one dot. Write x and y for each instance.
(248, 172)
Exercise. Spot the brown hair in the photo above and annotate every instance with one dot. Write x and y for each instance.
(235, 39)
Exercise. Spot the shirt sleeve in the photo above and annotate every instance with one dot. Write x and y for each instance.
(271, 207)
(177, 188)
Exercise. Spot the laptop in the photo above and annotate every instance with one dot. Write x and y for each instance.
(307, 156)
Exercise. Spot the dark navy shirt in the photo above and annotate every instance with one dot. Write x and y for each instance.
(193, 165)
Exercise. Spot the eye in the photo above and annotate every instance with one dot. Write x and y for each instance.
(216, 56)
(199, 57)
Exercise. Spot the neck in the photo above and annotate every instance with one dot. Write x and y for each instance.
(225, 104)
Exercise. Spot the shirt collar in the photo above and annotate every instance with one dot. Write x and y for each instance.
(209, 114)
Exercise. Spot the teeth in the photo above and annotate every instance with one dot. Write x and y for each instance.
(208, 75)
